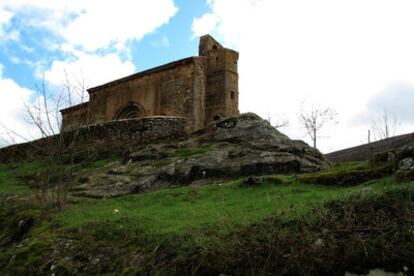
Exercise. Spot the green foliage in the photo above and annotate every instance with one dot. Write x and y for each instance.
(219, 205)
(9, 178)
(186, 152)
(11, 214)
(96, 164)
(348, 174)
(29, 255)
(17, 219)
(291, 227)
(405, 175)
(352, 234)
(9, 184)
(353, 165)
(155, 163)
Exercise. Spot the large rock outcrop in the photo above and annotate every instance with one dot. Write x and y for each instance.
(229, 148)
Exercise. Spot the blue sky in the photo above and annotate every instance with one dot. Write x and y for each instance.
(353, 56)
(169, 42)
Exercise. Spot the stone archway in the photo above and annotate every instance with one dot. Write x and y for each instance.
(129, 111)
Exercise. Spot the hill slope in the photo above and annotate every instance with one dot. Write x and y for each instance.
(294, 220)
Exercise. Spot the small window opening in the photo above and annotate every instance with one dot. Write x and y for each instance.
(216, 118)
(214, 47)
(232, 94)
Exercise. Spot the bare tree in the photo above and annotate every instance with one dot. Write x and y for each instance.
(280, 122)
(315, 119)
(44, 111)
(49, 185)
(384, 127)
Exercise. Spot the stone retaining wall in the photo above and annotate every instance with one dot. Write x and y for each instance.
(363, 152)
(115, 136)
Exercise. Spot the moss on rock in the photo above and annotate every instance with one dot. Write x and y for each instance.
(348, 177)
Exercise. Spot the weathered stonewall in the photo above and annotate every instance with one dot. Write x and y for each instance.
(240, 146)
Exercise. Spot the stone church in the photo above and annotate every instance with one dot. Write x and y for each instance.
(201, 89)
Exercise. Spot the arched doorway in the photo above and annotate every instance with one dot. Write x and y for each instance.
(129, 111)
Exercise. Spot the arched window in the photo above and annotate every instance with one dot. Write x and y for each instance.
(129, 111)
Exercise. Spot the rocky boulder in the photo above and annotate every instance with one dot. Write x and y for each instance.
(247, 128)
(405, 163)
(234, 147)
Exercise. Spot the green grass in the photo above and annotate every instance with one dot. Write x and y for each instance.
(219, 225)
(97, 164)
(9, 182)
(27, 168)
(10, 174)
(186, 152)
(221, 206)
(354, 165)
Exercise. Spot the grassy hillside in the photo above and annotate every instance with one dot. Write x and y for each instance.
(219, 204)
(13, 176)
(224, 227)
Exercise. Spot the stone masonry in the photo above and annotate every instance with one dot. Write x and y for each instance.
(201, 89)
(114, 136)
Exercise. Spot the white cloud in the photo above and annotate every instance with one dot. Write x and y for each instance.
(27, 49)
(165, 42)
(15, 60)
(12, 110)
(90, 69)
(87, 70)
(95, 24)
(205, 24)
(91, 35)
(162, 42)
(329, 53)
(106, 22)
(96, 69)
(5, 18)
(396, 101)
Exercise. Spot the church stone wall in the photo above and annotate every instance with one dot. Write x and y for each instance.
(201, 89)
(75, 116)
(110, 137)
(222, 91)
(174, 90)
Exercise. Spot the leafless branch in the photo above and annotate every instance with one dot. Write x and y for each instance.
(280, 122)
(384, 127)
(43, 112)
(315, 119)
